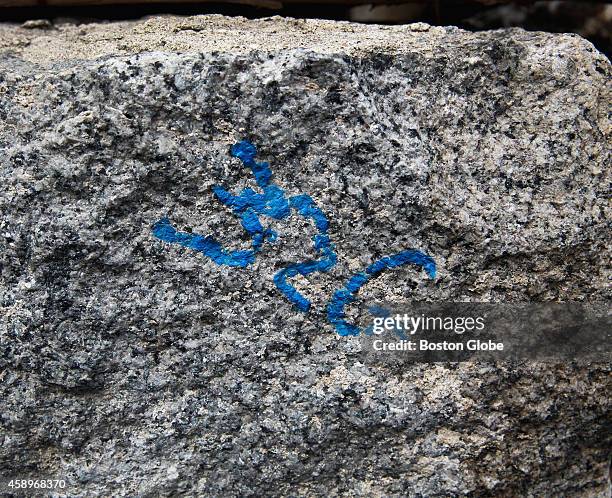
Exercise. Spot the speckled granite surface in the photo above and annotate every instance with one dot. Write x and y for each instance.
(131, 366)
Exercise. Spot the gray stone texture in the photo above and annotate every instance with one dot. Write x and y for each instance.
(135, 367)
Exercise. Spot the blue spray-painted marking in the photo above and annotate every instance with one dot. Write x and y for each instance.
(345, 296)
(249, 205)
(208, 246)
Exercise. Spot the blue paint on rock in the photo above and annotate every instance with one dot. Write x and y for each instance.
(208, 246)
(249, 205)
(347, 295)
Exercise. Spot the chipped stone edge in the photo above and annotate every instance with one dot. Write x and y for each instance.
(237, 35)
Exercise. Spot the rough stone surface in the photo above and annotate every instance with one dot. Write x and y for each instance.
(131, 366)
